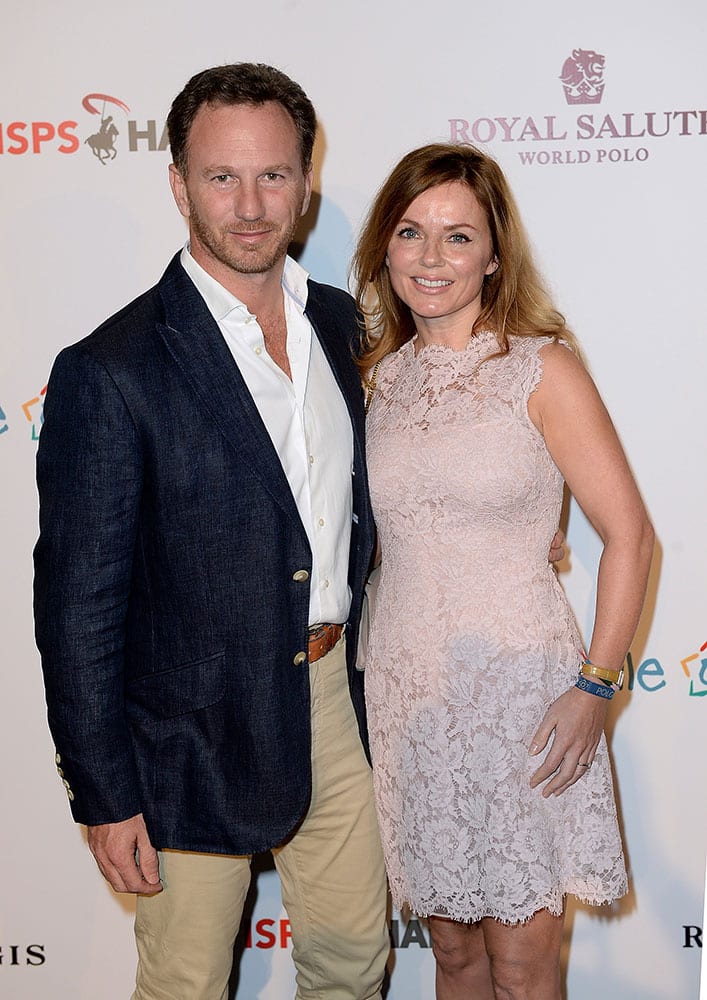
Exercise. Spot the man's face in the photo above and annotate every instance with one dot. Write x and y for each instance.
(245, 190)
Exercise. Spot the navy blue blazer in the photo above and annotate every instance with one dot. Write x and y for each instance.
(167, 611)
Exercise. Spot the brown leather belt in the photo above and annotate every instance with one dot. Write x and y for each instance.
(322, 639)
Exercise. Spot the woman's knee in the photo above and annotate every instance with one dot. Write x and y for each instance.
(456, 947)
(450, 957)
(525, 978)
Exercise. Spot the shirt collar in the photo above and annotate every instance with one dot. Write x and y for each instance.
(221, 302)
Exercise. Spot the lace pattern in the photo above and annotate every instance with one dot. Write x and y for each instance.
(471, 640)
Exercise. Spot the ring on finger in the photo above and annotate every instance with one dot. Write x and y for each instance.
(580, 764)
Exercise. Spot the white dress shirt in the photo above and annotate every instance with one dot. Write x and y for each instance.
(308, 423)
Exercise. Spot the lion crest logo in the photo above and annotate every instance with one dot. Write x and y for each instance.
(583, 77)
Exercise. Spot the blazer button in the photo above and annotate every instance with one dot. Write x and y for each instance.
(70, 795)
(299, 658)
(300, 576)
(57, 758)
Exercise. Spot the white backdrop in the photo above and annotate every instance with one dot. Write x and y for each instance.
(613, 194)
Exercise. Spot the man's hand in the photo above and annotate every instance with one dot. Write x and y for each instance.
(557, 547)
(125, 855)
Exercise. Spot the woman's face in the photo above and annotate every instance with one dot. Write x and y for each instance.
(439, 255)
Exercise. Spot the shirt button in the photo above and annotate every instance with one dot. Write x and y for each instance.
(321, 522)
(258, 350)
(299, 658)
(325, 584)
(300, 576)
(311, 459)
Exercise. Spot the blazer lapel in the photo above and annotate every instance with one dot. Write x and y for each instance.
(195, 342)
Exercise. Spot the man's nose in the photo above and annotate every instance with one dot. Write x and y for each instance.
(248, 201)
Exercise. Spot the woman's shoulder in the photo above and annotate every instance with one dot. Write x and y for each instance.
(535, 361)
(548, 354)
(531, 344)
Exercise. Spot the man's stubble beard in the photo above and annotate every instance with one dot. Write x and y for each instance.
(243, 260)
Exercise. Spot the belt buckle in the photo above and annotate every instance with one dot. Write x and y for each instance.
(324, 635)
(319, 631)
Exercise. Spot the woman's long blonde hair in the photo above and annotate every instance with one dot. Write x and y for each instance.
(514, 300)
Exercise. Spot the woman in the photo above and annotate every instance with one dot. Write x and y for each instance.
(486, 718)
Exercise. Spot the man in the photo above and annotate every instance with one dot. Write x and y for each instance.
(205, 532)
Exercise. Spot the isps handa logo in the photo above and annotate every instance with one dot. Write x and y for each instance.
(104, 129)
(589, 136)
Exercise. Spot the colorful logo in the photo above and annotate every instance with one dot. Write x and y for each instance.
(33, 409)
(695, 668)
(650, 676)
(102, 142)
(583, 77)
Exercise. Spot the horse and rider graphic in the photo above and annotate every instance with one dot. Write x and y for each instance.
(102, 142)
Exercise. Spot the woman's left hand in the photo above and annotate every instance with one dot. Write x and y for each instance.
(577, 720)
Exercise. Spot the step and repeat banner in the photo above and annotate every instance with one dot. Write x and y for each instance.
(598, 114)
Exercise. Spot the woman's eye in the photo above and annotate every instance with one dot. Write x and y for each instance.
(407, 233)
(459, 238)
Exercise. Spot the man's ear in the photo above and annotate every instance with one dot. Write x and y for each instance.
(308, 181)
(179, 190)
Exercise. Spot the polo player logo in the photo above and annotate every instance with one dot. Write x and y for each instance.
(583, 77)
(102, 142)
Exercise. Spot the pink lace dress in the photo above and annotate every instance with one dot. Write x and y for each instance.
(471, 640)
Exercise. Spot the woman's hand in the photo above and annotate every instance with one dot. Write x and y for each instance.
(557, 547)
(577, 720)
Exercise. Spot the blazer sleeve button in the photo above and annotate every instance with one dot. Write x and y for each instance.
(301, 576)
(299, 658)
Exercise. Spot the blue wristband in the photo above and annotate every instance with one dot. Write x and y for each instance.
(600, 690)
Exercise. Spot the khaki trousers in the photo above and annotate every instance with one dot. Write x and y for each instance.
(331, 874)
